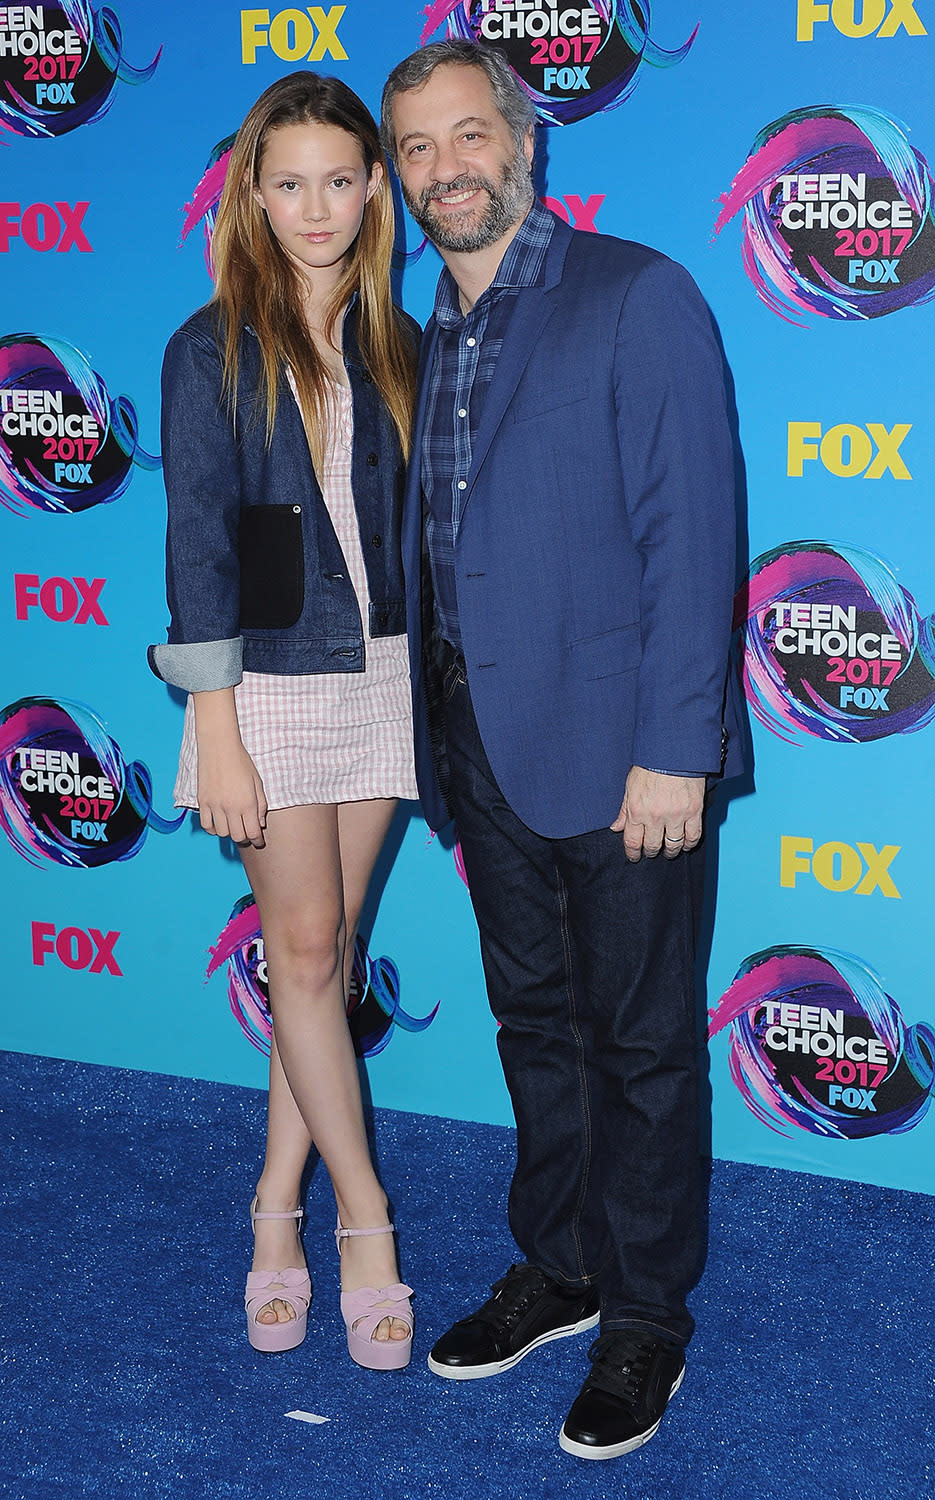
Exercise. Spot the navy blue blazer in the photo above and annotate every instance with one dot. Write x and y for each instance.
(595, 555)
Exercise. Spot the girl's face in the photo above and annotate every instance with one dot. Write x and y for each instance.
(313, 185)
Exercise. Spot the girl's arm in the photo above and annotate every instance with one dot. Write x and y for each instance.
(231, 800)
(202, 477)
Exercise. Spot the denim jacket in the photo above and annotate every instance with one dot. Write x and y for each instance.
(256, 579)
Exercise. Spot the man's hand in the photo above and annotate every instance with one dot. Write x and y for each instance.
(660, 813)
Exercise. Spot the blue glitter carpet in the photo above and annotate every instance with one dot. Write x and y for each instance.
(127, 1374)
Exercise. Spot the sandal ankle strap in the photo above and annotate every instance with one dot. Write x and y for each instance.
(290, 1213)
(342, 1234)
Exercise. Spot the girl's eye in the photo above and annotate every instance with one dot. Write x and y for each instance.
(340, 182)
(289, 184)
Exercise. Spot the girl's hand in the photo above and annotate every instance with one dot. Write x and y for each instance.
(231, 799)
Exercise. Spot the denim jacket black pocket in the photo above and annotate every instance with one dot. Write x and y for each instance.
(272, 567)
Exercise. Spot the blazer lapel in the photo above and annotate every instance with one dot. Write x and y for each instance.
(532, 311)
(412, 506)
(533, 308)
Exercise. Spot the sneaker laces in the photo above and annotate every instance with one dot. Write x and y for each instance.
(513, 1295)
(620, 1364)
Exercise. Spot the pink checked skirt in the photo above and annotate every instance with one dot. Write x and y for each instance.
(333, 736)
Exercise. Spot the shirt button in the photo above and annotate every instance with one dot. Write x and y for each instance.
(462, 484)
(377, 540)
(471, 343)
(372, 459)
(462, 412)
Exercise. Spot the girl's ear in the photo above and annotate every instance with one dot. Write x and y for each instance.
(376, 177)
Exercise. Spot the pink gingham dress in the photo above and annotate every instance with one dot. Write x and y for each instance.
(326, 737)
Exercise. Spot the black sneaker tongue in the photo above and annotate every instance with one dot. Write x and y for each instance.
(620, 1371)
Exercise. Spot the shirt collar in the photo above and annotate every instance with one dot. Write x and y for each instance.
(522, 266)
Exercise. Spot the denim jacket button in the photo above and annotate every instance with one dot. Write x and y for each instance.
(372, 460)
(378, 540)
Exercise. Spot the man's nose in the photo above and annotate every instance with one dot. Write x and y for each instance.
(448, 164)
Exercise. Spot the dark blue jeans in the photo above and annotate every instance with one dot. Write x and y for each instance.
(589, 962)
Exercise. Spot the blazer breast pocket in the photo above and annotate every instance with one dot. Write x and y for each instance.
(607, 653)
(272, 567)
(554, 403)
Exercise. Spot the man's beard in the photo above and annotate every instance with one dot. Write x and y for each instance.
(507, 203)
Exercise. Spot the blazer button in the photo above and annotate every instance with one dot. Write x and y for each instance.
(377, 540)
(365, 375)
(372, 460)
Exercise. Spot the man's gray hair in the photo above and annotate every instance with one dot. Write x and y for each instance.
(415, 71)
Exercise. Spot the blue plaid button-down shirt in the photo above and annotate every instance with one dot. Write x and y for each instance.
(466, 355)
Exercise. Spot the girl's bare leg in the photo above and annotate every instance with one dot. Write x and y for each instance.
(299, 881)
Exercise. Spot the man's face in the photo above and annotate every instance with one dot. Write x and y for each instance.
(463, 179)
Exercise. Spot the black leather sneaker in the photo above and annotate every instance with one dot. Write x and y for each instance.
(621, 1403)
(527, 1309)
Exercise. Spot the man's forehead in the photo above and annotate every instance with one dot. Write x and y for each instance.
(460, 89)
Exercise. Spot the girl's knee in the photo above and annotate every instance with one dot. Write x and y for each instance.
(309, 953)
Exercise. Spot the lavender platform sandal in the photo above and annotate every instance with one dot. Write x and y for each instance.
(291, 1285)
(364, 1310)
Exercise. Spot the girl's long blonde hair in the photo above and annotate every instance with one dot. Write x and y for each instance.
(256, 283)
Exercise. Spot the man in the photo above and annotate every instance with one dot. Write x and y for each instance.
(569, 614)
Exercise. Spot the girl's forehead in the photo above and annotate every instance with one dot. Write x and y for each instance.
(313, 138)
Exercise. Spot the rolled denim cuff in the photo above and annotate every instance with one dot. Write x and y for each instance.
(200, 667)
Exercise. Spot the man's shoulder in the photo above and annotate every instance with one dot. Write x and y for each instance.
(618, 259)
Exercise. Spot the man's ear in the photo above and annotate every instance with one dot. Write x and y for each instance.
(529, 144)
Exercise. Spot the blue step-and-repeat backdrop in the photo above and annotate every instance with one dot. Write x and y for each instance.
(780, 152)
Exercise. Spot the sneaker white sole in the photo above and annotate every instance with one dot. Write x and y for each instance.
(481, 1372)
(615, 1450)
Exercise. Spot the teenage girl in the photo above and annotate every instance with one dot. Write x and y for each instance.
(286, 411)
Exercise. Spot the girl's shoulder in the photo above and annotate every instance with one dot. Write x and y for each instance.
(205, 326)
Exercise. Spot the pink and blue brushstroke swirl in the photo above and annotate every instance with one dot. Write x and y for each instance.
(813, 572)
(829, 139)
(57, 724)
(624, 22)
(30, 362)
(103, 57)
(839, 981)
(373, 1008)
